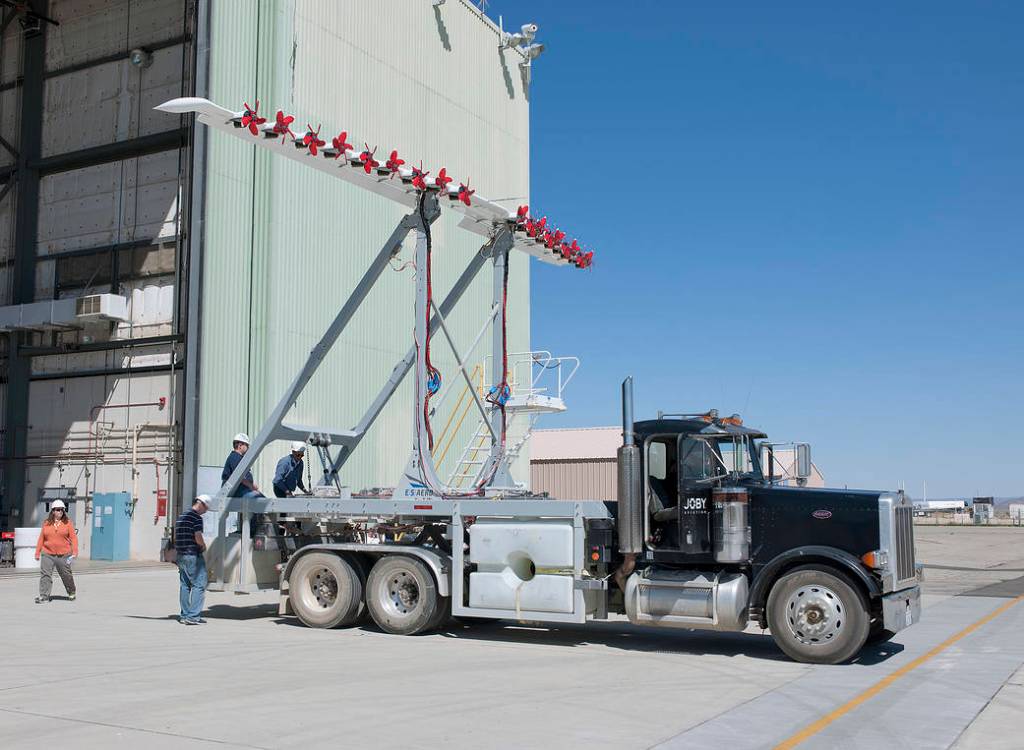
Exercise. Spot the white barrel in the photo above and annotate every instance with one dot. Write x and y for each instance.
(25, 540)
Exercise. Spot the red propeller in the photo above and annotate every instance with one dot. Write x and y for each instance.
(522, 214)
(553, 238)
(535, 227)
(419, 178)
(312, 139)
(393, 162)
(585, 260)
(340, 143)
(251, 118)
(281, 127)
(465, 192)
(442, 179)
(367, 159)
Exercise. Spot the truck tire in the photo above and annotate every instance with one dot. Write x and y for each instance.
(401, 595)
(325, 591)
(817, 617)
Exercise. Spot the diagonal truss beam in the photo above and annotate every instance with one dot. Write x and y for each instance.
(273, 428)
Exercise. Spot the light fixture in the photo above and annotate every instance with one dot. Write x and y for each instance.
(533, 51)
(140, 58)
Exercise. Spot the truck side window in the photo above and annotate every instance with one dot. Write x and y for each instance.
(697, 462)
(662, 476)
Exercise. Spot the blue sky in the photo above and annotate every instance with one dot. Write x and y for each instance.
(810, 213)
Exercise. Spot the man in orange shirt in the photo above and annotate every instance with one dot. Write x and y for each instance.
(57, 548)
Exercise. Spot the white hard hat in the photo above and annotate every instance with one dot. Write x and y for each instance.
(58, 504)
(241, 438)
(298, 447)
(204, 499)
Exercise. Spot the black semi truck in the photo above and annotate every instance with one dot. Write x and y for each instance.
(701, 537)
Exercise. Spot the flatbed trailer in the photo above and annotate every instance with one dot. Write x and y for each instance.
(448, 563)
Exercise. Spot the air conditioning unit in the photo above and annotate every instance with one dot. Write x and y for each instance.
(101, 307)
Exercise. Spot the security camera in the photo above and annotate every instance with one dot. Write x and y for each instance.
(533, 51)
(523, 37)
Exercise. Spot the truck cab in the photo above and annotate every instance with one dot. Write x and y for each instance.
(722, 542)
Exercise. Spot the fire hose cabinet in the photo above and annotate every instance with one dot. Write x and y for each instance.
(111, 524)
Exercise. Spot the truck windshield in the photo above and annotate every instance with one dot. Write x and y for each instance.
(704, 459)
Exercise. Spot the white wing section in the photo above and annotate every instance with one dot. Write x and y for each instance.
(481, 215)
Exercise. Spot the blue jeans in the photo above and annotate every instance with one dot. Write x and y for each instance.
(192, 573)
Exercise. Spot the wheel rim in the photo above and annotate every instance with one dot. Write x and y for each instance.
(402, 593)
(322, 588)
(815, 615)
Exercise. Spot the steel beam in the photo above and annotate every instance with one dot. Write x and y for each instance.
(107, 371)
(272, 426)
(118, 150)
(101, 346)
(26, 231)
(195, 243)
(402, 368)
(497, 463)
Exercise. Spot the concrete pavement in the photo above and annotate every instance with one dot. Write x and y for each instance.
(114, 669)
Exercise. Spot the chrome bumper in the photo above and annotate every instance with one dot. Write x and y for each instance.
(901, 609)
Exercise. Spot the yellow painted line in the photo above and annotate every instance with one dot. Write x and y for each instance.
(811, 730)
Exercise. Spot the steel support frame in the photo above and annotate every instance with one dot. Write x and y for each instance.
(26, 232)
(421, 477)
(275, 428)
(195, 238)
(406, 364)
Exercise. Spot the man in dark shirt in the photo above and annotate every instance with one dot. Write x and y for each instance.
(189, 544)
(247, 487)
(289, 472)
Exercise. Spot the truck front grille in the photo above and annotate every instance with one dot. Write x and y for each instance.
(904, 543)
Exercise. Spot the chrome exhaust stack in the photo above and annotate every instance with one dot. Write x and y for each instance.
(630, 515)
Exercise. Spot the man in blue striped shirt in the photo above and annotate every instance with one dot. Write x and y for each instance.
(190, 545)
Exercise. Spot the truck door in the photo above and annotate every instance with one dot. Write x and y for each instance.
(696, 466)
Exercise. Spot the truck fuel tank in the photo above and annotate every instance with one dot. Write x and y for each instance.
(687, 599)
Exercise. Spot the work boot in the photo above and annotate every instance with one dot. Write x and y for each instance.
(71, 597)
(42, 600)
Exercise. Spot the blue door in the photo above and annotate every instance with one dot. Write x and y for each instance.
(111, 525)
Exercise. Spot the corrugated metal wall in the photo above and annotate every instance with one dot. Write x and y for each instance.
(284, 245)
(577, 479)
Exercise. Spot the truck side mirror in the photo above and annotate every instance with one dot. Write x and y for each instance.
(803, 460)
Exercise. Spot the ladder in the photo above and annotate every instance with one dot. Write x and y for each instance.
(537, 381)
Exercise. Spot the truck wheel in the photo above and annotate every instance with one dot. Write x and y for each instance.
(325, 591)
(401, 595)
(816, 617)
